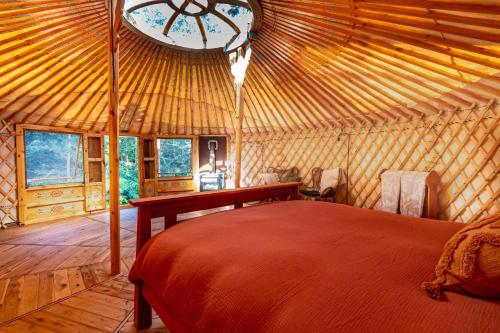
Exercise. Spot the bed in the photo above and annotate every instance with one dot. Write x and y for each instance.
(303, 266)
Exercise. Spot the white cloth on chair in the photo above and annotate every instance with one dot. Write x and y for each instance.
(412, 193)
(270, 178)
(330, 178)
(390, 184)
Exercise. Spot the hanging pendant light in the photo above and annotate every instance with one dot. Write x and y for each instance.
(239, 60)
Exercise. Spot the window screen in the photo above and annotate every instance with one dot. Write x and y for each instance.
(175, 157)
(53, 158)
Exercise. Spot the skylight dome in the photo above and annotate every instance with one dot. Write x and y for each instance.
(194, 24)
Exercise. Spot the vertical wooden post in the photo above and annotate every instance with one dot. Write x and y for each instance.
(142, 309)
(196, 161)
(114, 20)
(295, 194)
(170, 220)
(86, 174)
(140, 164)
(432, 182)
(240, 104)
(21, 175)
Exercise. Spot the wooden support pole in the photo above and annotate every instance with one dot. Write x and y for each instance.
(115, 8)
(240, 104)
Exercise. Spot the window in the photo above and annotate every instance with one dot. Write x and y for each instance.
(201, 24)
(53, 158)
(129, 167)
(175, 157)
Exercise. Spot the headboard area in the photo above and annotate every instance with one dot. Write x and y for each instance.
(410, 192)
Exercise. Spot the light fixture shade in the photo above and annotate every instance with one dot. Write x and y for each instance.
(239, 60)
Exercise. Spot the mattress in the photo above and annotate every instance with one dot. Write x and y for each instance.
(304, 266)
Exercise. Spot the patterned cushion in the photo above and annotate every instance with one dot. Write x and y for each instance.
(270, 178)
(290, 175)
(290, 178)
(470, 262)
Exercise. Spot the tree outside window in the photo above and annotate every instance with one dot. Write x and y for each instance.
(175, 157)
(53, 158)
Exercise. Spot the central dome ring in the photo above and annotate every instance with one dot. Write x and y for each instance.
(205, 10)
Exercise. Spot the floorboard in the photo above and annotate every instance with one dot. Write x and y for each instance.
(54, 276)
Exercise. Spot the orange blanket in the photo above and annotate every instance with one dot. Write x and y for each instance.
(304, 266)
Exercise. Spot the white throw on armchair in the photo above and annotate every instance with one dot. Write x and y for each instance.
(325, 184)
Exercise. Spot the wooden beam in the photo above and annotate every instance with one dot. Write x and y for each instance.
(389, 62)
(202, 29)
(174, 16)
(240, 104)
(145, 4)
(115, 9)
(21, 174)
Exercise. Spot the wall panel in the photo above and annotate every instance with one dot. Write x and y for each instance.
(461, 145)
(8, 187)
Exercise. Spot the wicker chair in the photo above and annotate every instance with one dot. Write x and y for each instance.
(313, 193)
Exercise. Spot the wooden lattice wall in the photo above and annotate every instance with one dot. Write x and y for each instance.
(8, 187)
(461, 145)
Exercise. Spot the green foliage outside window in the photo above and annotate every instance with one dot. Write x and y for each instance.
(175, 158)
(129, 172)
(53, 158)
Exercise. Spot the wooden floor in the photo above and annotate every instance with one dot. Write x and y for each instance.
(54, 277)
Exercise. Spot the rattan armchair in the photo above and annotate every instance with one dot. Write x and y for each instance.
(314, 193)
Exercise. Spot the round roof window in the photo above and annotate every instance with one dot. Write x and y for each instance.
(194, 24)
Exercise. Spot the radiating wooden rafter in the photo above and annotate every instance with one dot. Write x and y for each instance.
(315, 64)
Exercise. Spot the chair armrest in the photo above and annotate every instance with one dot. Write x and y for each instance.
(328, 191)
(308, 188)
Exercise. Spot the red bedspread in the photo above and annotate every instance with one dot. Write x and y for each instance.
(302, 266)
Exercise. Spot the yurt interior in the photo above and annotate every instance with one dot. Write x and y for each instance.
(252, 166)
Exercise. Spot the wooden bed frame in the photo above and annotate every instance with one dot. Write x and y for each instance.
(432, 183)
(170, 206)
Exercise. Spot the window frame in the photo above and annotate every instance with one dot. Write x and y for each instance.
(56, 131)
(174, 178)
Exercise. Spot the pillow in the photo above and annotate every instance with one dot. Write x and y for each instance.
(290, 178)
(329, 178)
(270, 178)
(290, 175)
(470, 262)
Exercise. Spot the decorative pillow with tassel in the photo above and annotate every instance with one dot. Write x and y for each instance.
(470, 262)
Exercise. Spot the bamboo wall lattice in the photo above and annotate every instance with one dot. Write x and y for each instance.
(8, 187)
(462, 146)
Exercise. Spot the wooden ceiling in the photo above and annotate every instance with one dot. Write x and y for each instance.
(315, 64)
